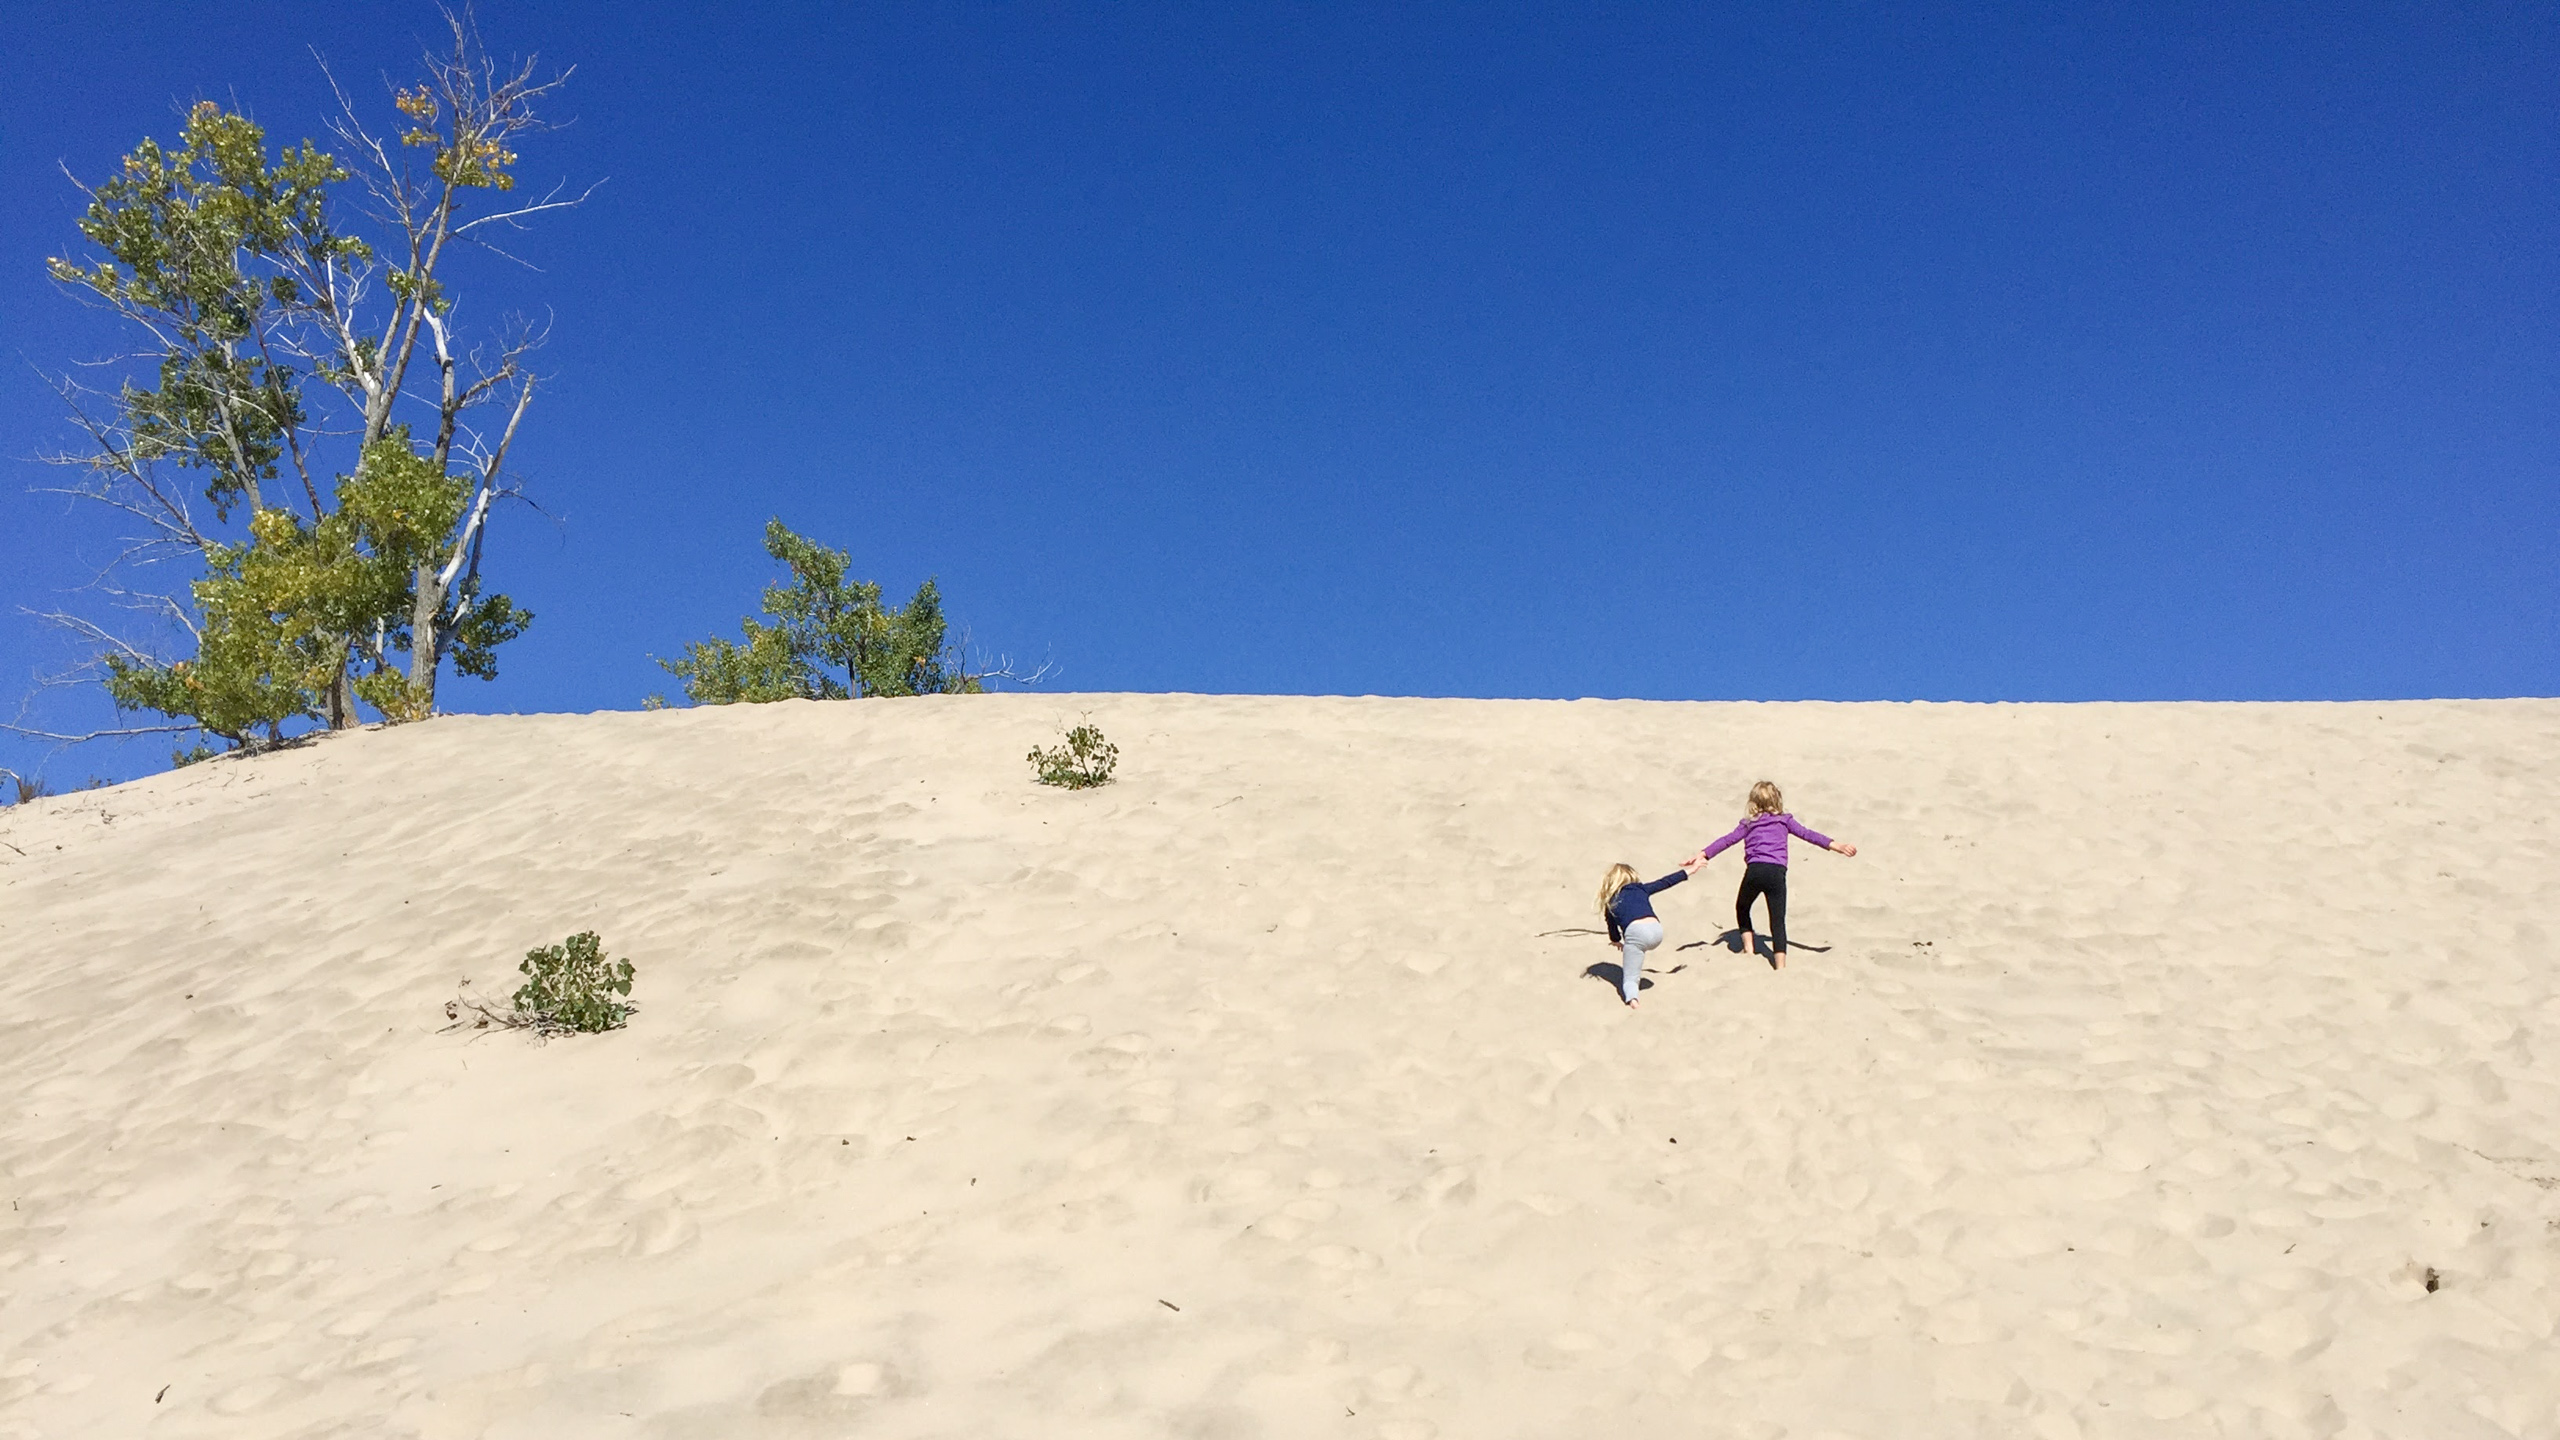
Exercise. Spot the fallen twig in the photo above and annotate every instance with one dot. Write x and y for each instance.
(469, 1012)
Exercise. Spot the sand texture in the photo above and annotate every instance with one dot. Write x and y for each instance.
(2133, 1080)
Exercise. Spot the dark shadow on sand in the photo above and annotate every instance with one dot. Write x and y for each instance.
(1732, 940)
(1616, 975)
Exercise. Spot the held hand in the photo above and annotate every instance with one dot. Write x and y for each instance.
(1690, 865)
(1843, 847)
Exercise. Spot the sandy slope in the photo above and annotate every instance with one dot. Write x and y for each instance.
(2155, 1054)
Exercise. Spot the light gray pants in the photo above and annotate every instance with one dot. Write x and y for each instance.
(1637, 938)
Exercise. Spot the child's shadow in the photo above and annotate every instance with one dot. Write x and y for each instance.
(1616, 975)
(1732, 940)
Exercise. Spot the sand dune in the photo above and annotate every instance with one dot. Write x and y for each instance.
(2131, 1082)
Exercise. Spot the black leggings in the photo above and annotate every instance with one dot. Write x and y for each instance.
(1762, 878)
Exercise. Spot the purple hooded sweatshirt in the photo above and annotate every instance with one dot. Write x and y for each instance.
(1764, 839)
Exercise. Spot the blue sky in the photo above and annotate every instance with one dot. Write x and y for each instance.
(1675, 352)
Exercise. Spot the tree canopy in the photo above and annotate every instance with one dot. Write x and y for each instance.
(825, 637)
(313, 384)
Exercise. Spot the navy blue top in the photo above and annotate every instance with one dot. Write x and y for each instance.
(1635, 902)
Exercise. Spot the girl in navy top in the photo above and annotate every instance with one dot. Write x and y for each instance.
(1763, 834)
(1627, 904)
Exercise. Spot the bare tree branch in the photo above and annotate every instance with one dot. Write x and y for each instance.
(92, 631)
(86, 736)
(999, 667)
(511, 218)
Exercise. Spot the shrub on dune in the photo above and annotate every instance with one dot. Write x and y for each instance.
(571, 988)
(1084, 761)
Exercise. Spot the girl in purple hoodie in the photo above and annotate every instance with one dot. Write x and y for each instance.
(1763, 834)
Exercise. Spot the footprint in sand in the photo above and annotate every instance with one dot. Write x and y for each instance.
(1107, 1151)
(1315, 1353)
(1568, 1350)
(1118, 1055)
(251, 1396)
(356, 1324)
(832, 1395)
(2199, 1224)
(660, 1232)
(2285, 1335)
(1239, 1184)
(376, 1356)
(1391, 1382)
(1967, 1373)
(2406, 1105)
(2170, 1402)
(1450, 1185)
(723, 1079)
(1296, 1220)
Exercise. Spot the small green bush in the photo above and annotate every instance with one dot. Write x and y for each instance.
(570, 987)
(830, 638)
(1080, 764)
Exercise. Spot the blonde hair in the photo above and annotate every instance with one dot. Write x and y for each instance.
(1620, 876)
(1765, 799)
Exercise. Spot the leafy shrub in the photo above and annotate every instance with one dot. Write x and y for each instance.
(1083, 762)
(570, 987)
(824, 623)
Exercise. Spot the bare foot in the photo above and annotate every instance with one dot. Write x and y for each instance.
(1633, 1004)
(1778, 961)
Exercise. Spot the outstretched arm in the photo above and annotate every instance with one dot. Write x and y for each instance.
(1816, 837)
(1718, 846)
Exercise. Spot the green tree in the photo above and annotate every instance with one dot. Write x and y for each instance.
(274, 338)
(820, 624)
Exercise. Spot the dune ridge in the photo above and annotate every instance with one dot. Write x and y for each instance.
(2155, 1069)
